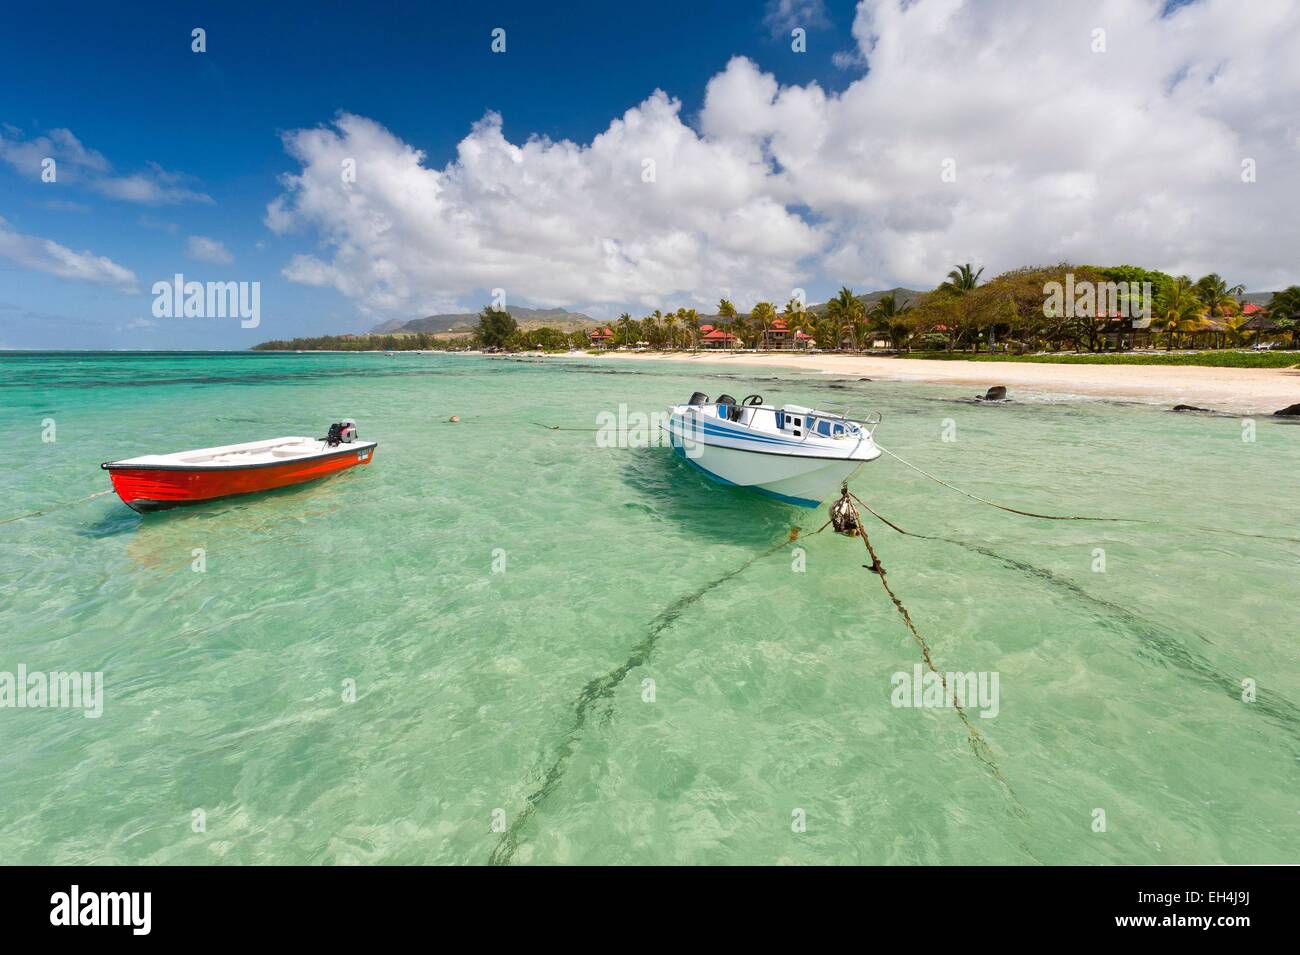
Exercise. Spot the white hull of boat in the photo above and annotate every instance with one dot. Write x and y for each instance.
(804, 472)
(803, 481)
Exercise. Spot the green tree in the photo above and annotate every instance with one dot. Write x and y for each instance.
(650, 329)
(887, 318)
(1216, 295)
(691, 321)
(762, 317)
(670, 326)
(1180, 311)
(1284, 310)
(797, 318)
(726, 314)
(846, 314)
(962, 279)
(494, 328)
(625, 330)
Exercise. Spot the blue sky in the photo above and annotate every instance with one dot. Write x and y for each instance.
(126, 83)
(777, 169)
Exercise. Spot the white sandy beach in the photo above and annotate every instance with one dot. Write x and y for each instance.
(1237, 390)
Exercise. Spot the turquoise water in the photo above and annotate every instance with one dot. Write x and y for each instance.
(523, 690)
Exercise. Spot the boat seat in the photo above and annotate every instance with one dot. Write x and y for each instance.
(728, 408)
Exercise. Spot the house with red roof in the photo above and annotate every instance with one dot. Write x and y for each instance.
(778, 335)
(602, 337)
(712, 337)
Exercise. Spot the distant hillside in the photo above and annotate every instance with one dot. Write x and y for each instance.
(1256, 298)
(528, 319)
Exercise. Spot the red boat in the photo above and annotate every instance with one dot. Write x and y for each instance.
(156, 482)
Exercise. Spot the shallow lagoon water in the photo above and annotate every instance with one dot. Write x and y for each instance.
(1120, 690)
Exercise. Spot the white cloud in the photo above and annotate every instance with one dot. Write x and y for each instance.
(1131, 155)
(62, 205)
(45, 255)
(552, 223)
(848, 59)
(78, 165)
(203, 249)
(782, 16)
(155, 187)
(26, 155)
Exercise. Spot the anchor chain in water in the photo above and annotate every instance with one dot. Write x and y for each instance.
(600, 690)
(846, 520)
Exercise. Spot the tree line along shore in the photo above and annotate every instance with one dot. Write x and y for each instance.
(1063, 313)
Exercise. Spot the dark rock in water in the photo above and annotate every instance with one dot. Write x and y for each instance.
(1291, 411)
(864, 379)
(1190, 408)
(996, 393)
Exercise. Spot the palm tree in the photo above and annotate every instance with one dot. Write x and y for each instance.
(650, 327)
(691, 319)
(1234, 330)
(900, 335)
(670, 323)
(1181, 311)
(1284, 310)
(962, 279)
(625, 324)
(886, 314)
(762, 317)
(1220, 300)
(846, 314)
(796, 318)
(726, 314)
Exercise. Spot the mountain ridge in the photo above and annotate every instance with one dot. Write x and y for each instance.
(570, 321)
(468, 321)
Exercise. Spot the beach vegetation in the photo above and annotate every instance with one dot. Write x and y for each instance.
(495, 326)
(1047, 313)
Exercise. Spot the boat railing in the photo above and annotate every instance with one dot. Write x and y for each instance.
(868, 422)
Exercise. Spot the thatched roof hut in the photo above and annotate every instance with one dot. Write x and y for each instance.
(1260, 322)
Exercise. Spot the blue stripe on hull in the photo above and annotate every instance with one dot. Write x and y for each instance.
(800, 501)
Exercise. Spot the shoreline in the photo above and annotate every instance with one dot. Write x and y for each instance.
(1255, 391)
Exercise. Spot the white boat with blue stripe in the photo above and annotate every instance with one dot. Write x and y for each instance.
(792, 453)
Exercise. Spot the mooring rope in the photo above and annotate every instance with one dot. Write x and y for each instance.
(56, 507)
(556, 427)
(1012, 510)
(1283, 712)
(601, 689)
(1015, 510)
(848, 521)
(1058, 517)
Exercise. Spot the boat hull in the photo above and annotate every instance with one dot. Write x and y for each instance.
(146, 488)
(805, 481)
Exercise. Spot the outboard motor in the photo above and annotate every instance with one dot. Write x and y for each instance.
(699, 398)
(341, 432)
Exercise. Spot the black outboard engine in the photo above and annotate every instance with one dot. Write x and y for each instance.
(699, 398)
(341, 432)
